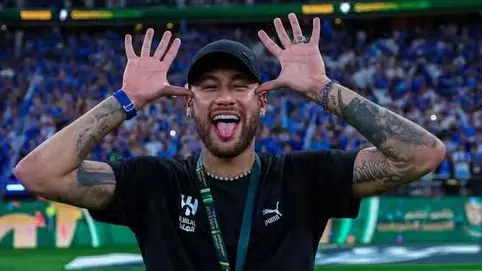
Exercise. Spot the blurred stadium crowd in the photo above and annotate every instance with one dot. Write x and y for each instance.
(59, 4)
(430, 75)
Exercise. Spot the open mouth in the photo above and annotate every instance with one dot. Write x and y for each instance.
(226, 125)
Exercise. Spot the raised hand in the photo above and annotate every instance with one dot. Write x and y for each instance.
(145, 76)
(302, 68)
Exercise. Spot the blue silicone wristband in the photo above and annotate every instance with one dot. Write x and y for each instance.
(126, 103)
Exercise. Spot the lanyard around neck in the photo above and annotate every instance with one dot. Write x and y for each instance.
(244, 235)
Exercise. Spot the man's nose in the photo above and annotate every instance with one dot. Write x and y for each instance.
(225, 97)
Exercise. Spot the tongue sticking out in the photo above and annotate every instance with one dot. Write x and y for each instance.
(226, 130)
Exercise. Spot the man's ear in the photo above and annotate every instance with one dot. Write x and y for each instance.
(263, 101)
(188, 103)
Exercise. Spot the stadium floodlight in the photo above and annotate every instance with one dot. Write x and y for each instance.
(63, 15)
(15, 187)
(345, 7)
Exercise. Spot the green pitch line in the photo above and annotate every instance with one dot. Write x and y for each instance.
(53, 259)
(56, 259)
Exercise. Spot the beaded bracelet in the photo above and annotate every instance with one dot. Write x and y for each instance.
(326, 91)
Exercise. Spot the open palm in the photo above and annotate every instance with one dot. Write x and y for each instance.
(145, 76)
(302, 68)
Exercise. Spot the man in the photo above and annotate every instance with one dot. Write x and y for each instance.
(229, 209)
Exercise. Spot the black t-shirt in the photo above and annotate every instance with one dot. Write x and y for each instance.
(159, 199)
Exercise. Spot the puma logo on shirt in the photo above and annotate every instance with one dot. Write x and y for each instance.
(274, 218)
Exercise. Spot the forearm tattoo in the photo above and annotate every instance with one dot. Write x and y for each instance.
(105, 118)
(396, 139)
(95, 181)
(385, 129)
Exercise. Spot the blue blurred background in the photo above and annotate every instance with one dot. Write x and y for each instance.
(426, 67)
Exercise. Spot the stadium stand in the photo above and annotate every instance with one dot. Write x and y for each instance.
(429, 74)
(135, 3)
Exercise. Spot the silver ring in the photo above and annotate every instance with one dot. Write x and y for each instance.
(299, 39)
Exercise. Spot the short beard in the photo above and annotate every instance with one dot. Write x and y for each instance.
(248, 129)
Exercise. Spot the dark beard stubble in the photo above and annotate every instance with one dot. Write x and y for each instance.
(248, 132)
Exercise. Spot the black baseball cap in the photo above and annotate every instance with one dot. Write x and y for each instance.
(224, 53)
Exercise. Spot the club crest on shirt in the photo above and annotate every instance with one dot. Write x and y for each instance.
(189, 207)
(272, 215)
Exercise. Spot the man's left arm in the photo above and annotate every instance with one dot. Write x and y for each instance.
(403, 150)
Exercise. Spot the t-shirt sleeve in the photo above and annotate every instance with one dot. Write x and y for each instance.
(130, 195)
(329, 178)
(338, 183)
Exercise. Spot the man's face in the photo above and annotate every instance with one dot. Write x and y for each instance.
(226, 111)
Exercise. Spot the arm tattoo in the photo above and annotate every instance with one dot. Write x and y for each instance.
(90, 176)
(95, 183)
(375, 169)
(374, 173)
(372, 165)
(94, 186)
(398, 141)
(378, 124)
(105, 118)
(392, 134)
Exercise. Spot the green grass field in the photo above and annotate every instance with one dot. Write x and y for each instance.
(54, 260)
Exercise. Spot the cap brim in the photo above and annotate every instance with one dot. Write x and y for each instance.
(219, 60)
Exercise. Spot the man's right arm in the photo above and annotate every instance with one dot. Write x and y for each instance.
(57, 169)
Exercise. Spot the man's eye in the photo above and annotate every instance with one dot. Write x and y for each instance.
(241, 87)
(209, 87)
